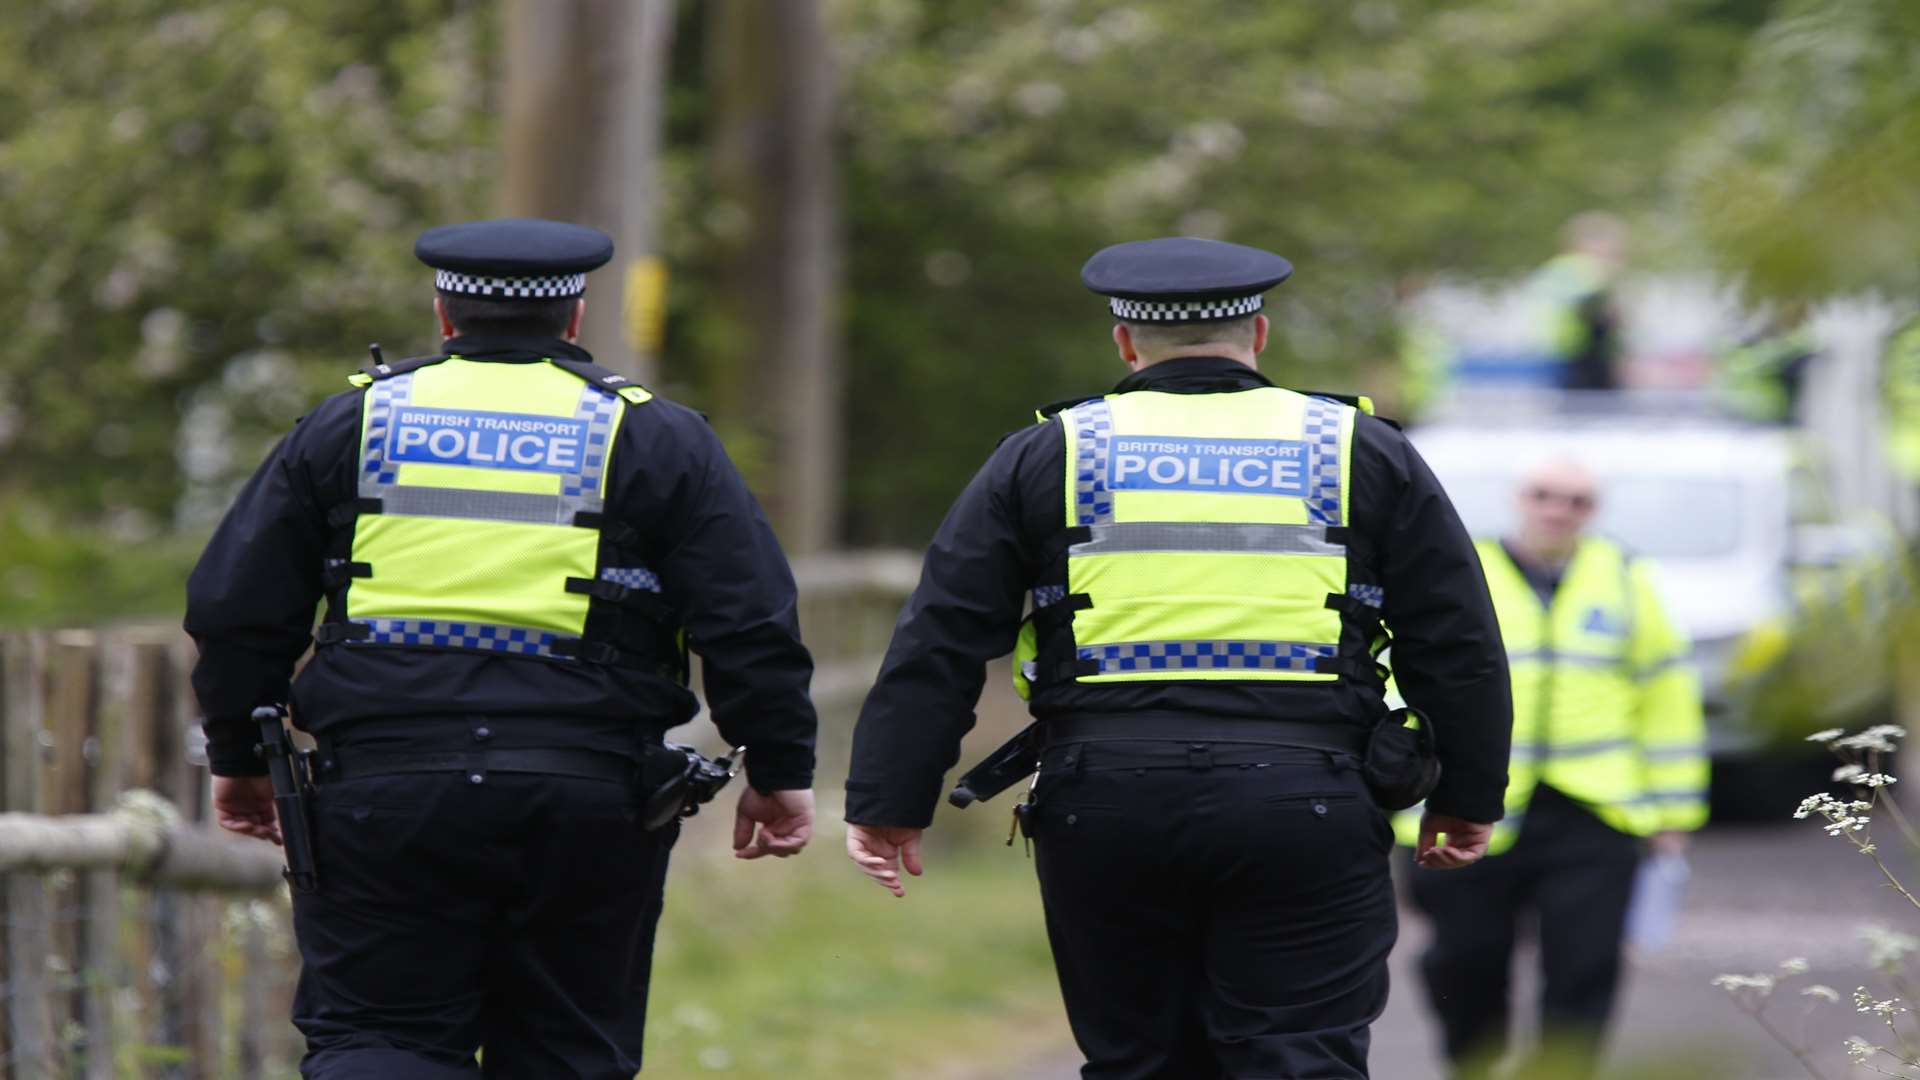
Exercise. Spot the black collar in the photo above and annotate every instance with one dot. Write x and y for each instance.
(512, 348)
(1194, 375)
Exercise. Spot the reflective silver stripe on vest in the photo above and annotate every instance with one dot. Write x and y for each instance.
(1205, 656)
(1673, 753)
(518, 640)
(1666, 795)
(376, 472)
(1093, 436)
(1322, 431)
(1160, 536)
(1551, 656)
(482, 505)
(1562, 751)
(579, 490)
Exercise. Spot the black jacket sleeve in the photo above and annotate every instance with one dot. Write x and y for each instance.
(1447, 654)
(965, 611)
(252, 597)
(723, 569)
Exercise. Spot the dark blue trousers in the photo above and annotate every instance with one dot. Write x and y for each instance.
(513, 917)
(1216, 914)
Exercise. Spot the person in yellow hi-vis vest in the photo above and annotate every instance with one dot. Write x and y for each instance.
(1609, 753)
(517, 549)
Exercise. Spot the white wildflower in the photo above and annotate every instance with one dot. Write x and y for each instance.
(1866, 740)
(1828, 735)
(1761, 984)
(1821, 991)
(1886, 731)
(1849, 774)
(1859, 1050)
(1864, 1002)
(1795, 966)
(1886, 947)
(1876, 780)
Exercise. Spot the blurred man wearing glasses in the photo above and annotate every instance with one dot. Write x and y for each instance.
(1609, 754)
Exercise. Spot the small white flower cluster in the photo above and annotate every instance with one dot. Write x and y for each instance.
(1795, 966)
(1858, 776)
(1823, 992)
(1886, 947)
(1842, 817)
(1827, 735)
(1859, 1050)
(1761, 984)
(1879, 738)
(1864, 1002)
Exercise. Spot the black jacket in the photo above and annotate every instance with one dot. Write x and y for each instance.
(999, 539)
(251, 604)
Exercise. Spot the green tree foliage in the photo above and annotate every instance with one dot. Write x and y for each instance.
(205, 210)
(991, 146)
(1805, 185)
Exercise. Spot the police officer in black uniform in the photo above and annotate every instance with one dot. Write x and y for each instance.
(1213, 866)
(516, 547)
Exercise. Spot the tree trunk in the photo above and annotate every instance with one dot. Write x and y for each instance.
(772, 79)
(585, 86)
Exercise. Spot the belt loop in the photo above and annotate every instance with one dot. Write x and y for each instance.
(1199, 756)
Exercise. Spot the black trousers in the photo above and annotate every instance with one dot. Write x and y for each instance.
(514, 916)
(1574, 874)
(1217, 914)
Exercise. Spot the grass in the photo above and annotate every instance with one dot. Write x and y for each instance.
(805, 969)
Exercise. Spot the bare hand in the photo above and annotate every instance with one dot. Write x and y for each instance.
(1466, 841)
(880, 851)
(785, 819)
(1671, 843)
(244, 804)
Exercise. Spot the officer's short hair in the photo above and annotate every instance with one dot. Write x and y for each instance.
(1237, 331)
(512, 318)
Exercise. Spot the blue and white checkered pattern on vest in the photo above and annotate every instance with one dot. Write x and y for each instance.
(1205, 655)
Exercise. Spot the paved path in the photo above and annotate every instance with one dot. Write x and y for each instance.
(1758, 895)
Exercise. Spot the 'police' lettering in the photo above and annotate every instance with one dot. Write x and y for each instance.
(1229, 466)
(488, 440)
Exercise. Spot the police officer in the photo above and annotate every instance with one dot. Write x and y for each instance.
(1609, 751)
(1209, 559)
(515, 547)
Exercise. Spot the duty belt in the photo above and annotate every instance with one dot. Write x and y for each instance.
(1334, 737)
(476, 763)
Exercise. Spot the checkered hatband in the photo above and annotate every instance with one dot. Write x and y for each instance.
(544, 287)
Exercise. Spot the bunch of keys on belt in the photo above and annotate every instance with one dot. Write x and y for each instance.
(1021, 811)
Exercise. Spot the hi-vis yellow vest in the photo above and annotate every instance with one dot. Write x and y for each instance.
(1606, 708)
(1203, 541)
(481, 489)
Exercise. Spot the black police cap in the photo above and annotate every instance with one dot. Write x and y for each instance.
(1183, 279)
(513, 258)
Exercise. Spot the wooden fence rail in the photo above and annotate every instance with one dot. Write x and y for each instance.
(123, 948)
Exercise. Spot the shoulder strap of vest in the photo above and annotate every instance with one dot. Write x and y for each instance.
(373, 373)
(1047, 412)
(1358, 401)
(605, 378)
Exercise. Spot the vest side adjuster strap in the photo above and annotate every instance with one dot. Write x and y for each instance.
(344, 513)
(617, 531)
(340, 573)
(641, 600)
(334, 633)
(596, 652)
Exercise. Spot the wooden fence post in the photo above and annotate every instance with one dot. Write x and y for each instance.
(29, 1018)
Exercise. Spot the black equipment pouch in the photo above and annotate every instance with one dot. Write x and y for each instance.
(1401, 766)
(292, 772)
(694, 779)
